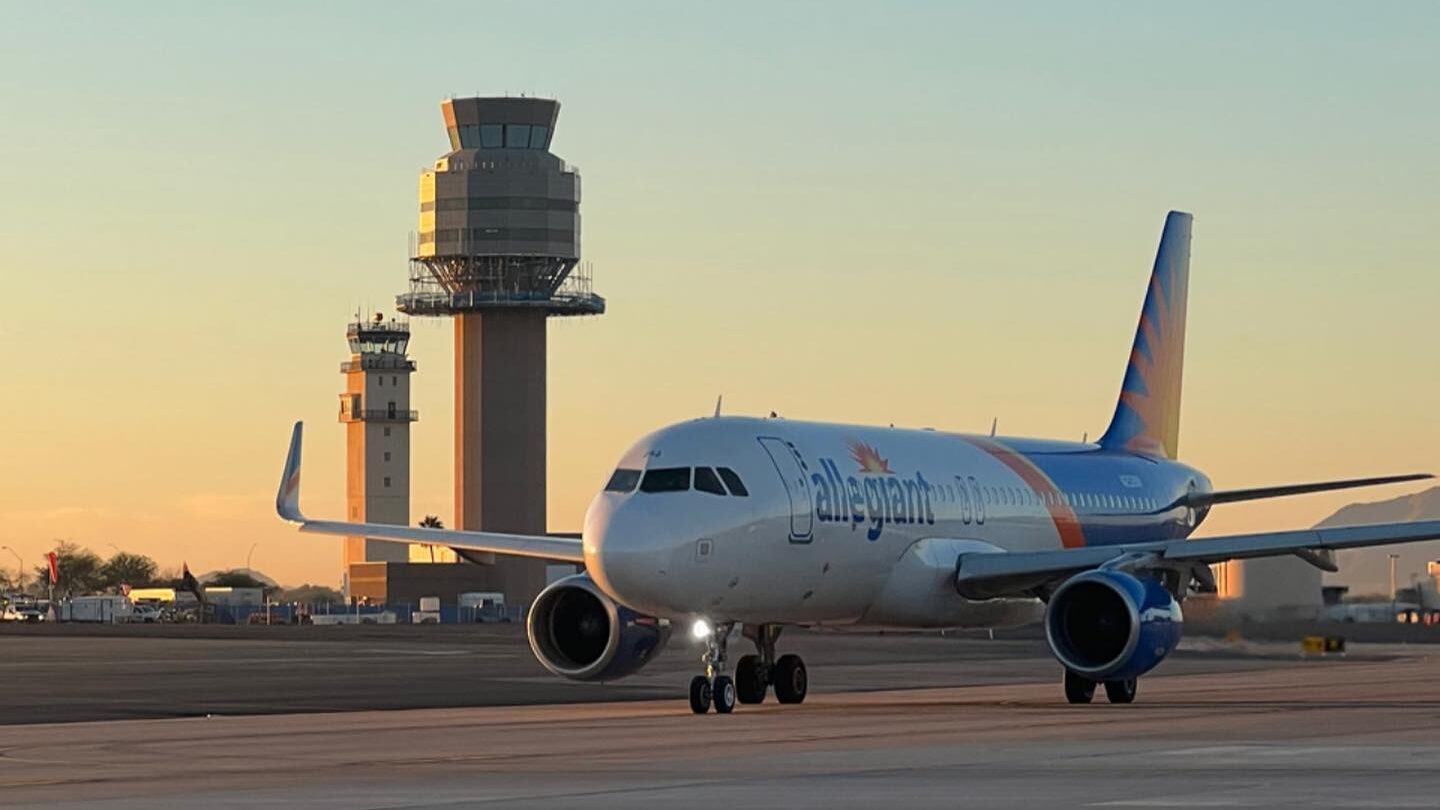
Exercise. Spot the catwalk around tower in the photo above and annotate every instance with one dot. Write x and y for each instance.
(499, 251)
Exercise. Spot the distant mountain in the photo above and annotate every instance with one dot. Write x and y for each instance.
(1368, 570)
(259, 577)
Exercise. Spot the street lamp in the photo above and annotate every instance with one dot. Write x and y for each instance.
(1394, 597)
(247, 557)
(19, 566)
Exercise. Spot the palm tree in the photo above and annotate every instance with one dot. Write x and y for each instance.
(431, 522)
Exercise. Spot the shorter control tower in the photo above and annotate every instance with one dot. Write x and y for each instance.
(499, 251)
(375, 410)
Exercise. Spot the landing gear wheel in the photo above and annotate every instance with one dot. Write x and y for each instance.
(1080, 689)
(724, 692)
(1121, 691)
(700, 694)
(750, 682)
(791, 682)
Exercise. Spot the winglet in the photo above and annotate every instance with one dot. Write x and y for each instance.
(287, 499)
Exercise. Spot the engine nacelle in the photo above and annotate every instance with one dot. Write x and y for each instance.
(579, 632)
(1112, 626)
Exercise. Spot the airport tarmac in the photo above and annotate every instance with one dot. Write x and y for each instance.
(68, 673)
(1211, 729)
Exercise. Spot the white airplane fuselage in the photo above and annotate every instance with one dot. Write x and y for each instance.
(851, 525)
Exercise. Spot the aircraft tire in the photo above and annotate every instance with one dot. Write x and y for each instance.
(790, 679)
(700, 693)
(750, 683)
(724, 693)
(1121, 691)
(1080, 689)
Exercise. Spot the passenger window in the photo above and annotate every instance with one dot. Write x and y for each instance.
(623, 480)
(666, 479)
(732, 481)
(707, 481)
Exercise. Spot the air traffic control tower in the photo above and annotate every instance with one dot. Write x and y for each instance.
(497, 250)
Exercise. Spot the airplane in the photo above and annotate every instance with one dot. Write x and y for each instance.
(762, 523)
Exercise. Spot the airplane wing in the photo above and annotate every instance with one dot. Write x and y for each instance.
(985, 575)
(546, 547)
(1199, 500)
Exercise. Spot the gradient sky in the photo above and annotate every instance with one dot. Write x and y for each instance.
(930, 214)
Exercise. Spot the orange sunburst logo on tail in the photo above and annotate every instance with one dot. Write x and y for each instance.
(869, 459)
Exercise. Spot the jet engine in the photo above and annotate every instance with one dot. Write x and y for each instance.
(1111, 625)
(579, 632)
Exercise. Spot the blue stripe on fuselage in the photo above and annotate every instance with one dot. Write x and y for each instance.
(1102, 474)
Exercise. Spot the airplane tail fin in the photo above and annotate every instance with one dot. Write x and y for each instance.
(1147, 417)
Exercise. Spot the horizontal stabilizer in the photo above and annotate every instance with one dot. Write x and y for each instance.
(985, 576)
(1199, 500)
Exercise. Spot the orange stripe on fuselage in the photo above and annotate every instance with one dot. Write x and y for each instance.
(1067, 524)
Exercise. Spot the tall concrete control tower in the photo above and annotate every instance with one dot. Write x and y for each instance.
(498, 249)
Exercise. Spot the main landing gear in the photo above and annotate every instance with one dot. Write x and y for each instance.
(1080, 689)
(754, 674)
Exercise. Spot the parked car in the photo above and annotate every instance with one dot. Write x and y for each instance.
(146, 614)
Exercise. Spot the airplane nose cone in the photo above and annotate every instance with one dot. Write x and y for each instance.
(620, 554)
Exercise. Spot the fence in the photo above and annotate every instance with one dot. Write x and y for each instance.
(363, 614)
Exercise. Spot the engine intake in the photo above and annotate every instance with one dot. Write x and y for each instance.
(1110, 625)
(579, 632)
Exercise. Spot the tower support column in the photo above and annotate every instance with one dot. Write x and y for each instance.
(500, 437)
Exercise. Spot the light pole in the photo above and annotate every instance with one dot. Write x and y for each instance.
(1394, 598)
(19, 566)
(248, 555)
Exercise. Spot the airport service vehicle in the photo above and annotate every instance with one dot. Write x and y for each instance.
(111, 609)
(724, 523)
(482, 606)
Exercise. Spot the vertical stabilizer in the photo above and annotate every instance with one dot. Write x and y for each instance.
(1147, 417)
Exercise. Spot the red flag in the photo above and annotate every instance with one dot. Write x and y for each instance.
(54, 567)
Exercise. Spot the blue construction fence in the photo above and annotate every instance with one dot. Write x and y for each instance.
(339, 613)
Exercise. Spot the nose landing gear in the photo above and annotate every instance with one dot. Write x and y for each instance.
(714, 687)
(754, 674)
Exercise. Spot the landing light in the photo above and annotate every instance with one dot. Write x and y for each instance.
(700, 629)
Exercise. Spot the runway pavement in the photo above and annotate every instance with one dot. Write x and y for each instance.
(1209, 730)
(75, 673)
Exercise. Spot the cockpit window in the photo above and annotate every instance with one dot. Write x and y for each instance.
(666, 479)
(737, 487)
(707, 481)
(623, 480)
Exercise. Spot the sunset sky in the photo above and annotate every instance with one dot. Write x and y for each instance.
(930, 214)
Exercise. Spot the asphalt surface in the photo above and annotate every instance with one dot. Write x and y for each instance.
(72, 673)
(977, 724)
